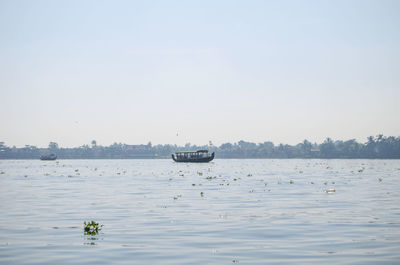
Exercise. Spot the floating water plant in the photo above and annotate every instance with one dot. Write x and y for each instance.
(380, 179)
(330, 191)
(177, 196)
(202, 194)
(200, 173)
(91, 228)
(291, 181)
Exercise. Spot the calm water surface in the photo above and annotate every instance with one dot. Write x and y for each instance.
(225, 212)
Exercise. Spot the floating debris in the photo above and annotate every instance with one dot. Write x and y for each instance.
(202, 194)
(291, 181)
(380, 179)
(177, 196)
(200, 173)
(249, 175)
(330, 191)
(91, 228)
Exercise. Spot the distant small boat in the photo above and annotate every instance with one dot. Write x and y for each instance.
(200, 156)
(48, 157)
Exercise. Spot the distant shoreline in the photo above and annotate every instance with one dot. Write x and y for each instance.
(224, 158)
(379, 147)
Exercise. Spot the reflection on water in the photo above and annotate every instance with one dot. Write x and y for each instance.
(227, 211)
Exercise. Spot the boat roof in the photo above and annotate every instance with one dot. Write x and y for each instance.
(198, 151)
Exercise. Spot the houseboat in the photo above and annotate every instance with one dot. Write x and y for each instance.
(200, 156)
(48, 157)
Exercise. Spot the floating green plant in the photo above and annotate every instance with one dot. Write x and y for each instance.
(202, 194)
(330, 191)
(291, 181)
(91, 228)
(200, 173)
(380, 179)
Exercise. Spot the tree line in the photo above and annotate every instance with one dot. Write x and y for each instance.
(375, 147)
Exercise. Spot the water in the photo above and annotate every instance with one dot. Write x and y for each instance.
(262, 211)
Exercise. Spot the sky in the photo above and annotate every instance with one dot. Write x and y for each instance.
(173, 72)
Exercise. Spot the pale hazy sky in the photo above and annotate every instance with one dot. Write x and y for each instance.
(140, 71)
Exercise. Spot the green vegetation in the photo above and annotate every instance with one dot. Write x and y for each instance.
(91, 228)
(375, 147)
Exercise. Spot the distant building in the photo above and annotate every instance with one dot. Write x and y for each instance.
(137, 147)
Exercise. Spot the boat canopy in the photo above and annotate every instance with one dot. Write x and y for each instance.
(192, 152)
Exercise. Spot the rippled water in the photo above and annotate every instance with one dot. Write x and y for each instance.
(261, 211)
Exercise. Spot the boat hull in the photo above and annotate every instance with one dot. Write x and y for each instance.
(193, 160)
